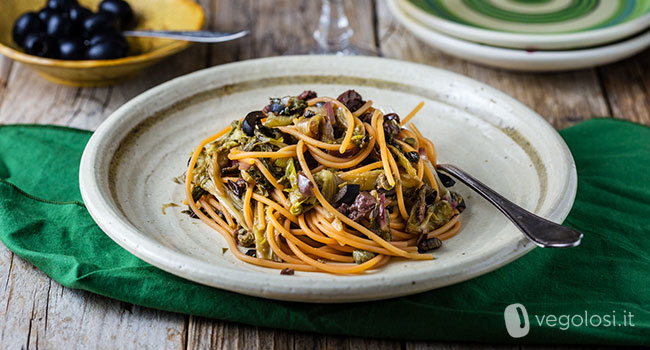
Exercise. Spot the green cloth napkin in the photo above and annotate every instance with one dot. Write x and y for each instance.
(43, 220)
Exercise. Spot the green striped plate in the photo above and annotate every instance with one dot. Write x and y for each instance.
(536, 24)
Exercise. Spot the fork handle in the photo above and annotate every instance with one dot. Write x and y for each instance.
(201, 36)
(542, 232)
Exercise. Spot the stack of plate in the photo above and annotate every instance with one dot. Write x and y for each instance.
(530, 35)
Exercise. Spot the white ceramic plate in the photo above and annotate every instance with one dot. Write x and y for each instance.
(532, 37)
(129, 163)
(537, 61)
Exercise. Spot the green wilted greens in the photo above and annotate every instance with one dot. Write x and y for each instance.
(299, 202)
(361, 256)
(273, 121)
(292, 105)
(402, 160)
(436, 215)
(367, 181)
(367, 197)
(310, 126)
(327, 183)
(259, 178)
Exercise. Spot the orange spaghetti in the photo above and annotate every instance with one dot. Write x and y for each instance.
(321, 184)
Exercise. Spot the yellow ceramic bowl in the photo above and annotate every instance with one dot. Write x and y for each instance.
(143, 52)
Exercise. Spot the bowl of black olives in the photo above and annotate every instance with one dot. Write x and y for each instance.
(80, 42)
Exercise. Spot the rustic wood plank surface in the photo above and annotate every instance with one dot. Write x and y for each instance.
(37, 312)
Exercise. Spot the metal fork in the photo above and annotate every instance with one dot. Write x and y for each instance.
(199, 36)
(542, 232)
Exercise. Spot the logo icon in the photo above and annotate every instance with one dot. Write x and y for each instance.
(517, 322)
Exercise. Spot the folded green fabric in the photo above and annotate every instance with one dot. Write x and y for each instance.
(565, 291)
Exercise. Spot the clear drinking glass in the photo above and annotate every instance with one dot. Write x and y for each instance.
(333, 34)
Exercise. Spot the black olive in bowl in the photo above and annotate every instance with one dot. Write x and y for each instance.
(25, 24)
(58, 26)
(61, 5)
(100, 22)
(105, 50)
(78, 14)
(119, 8)
(71, 49)
(45, 14)
(109, 35)
(39, 44)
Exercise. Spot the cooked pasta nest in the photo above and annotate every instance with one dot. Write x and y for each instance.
(320, 184)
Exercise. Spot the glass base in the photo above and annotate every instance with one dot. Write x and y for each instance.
(351, 50)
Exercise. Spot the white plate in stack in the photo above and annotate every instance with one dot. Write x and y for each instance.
(541, 35)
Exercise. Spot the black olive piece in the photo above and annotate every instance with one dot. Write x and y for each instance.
(105, 50)
(192, 214)
(348, 193)
(392, 116)
(429, 244)
(287, 271)
(39, 44)
(351, 99)
(251, 252)
(71, 49)
(238, 188)
(78, 14)
(277, 108)
(58, 26)
(309, 113)
(251, 119)
(61, 5)
(119, 8)
(431, 198)
(109, 35)
(413, 156)
(460, 201)
(99, 22)
(26, 24)
(307, 95)
(446, 180)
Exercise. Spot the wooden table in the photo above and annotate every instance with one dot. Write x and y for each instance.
(37, 312)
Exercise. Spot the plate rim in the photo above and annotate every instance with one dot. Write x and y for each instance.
(521, 60)
(522, 41)
(106, 215)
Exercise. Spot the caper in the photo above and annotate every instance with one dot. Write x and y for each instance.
(245, 237)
